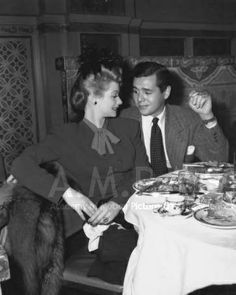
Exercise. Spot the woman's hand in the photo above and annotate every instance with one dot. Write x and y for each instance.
(80, 203)
(105, 213)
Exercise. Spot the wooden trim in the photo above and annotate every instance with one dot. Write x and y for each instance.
(98, 27)
(80, 18)
(186, 33)
(38, 89)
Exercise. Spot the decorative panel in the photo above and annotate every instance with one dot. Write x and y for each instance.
(17, 117)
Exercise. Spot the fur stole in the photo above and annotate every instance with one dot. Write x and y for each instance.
(34, 245)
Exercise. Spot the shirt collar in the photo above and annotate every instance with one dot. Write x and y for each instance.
(147, 120)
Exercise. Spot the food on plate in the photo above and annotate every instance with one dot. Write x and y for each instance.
(218, 209)
(230, 197)
(144, 183)
(211, 198)
(159, 184)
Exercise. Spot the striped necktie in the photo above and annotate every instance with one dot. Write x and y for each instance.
(158, 160)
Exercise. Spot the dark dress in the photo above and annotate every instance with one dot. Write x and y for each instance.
(98, 176)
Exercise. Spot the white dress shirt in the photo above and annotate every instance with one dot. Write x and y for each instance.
(146, 128)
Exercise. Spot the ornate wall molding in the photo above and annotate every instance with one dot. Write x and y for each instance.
(17, 29)
(52, 28)
(98, 27)
(186, 33)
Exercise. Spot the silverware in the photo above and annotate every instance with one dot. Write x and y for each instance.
(144, 194)
(189, 215)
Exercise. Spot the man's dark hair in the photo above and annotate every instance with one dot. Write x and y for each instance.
(148, 68)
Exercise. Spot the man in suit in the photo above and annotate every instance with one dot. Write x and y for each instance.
(188, 133)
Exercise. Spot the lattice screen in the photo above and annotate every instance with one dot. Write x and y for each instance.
(17, 111)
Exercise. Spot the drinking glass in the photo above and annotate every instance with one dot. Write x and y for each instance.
(188, 185)
(234, 162)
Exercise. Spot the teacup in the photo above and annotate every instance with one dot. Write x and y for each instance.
(174, 204)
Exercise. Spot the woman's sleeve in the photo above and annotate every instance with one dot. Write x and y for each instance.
(26, 169)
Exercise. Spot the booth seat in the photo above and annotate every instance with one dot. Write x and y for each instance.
(75, 277)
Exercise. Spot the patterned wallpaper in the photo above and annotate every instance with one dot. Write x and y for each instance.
(17, 117)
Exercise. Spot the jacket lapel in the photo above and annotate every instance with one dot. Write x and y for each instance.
(139, 117)
(175, 138)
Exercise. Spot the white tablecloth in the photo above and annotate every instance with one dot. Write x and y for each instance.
(175, 255)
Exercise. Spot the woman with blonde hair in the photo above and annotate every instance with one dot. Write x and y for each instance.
(101, 155)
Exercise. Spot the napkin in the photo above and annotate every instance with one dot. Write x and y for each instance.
(94, 233)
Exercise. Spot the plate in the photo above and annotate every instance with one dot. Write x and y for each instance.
(202, 216)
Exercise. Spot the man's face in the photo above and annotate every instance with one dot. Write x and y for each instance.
(147, 96)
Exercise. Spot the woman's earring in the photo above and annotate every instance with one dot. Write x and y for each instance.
(95, 102)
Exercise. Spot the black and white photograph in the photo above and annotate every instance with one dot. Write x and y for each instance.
(118, 147)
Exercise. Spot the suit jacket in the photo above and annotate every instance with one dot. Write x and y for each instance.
(97, 176)
(183, 127)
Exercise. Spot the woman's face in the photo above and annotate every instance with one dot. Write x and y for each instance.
(110, 101)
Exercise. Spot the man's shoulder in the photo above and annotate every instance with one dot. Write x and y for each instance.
(131, 112)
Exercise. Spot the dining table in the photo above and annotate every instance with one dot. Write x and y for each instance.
(176, 254)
